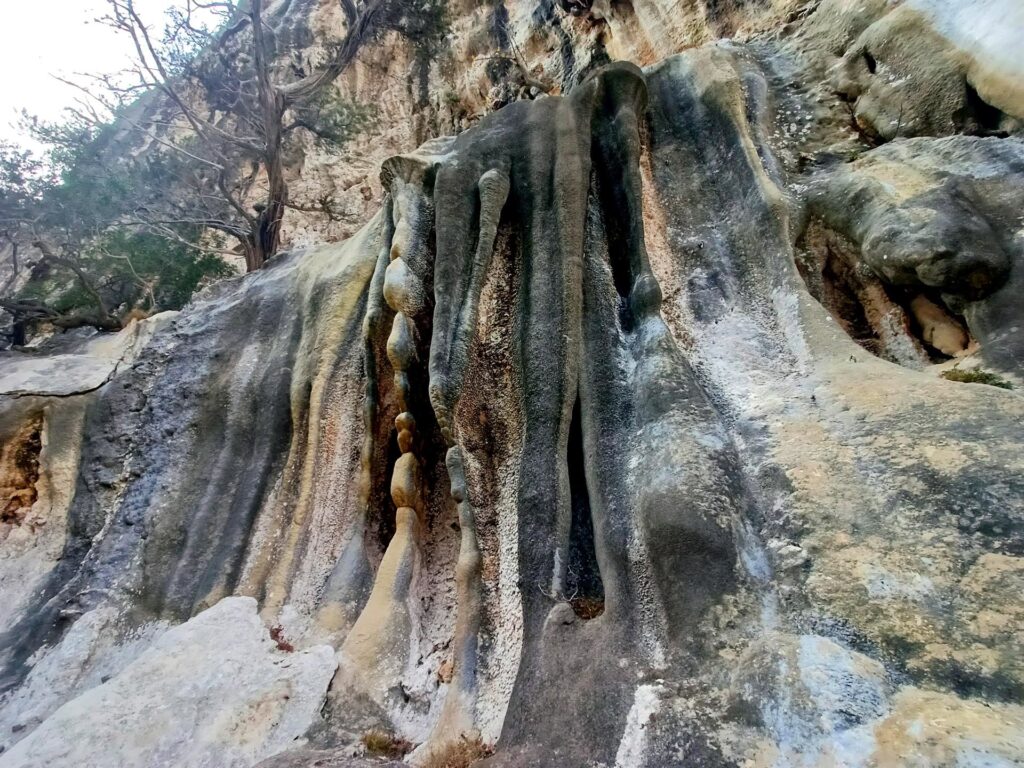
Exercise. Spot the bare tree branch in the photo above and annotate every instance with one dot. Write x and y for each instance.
(361, 28)
(83, 278)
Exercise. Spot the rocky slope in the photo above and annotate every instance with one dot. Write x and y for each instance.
(617, 436)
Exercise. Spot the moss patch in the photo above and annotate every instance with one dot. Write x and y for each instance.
(976, 376)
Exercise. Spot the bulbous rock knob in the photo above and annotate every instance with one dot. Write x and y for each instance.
(405, 481)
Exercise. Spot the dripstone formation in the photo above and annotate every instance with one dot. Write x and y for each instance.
(621, 435)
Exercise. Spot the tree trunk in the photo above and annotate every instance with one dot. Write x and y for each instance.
(271, 217)
(18, 333)
(254, 255)
(267, 237)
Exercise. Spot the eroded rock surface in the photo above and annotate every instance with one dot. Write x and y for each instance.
(214, 691)
(616, 437)
(941, 217)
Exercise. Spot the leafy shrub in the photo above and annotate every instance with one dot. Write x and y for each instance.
(130, 270)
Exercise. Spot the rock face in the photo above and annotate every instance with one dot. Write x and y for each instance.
(616, 437)
(940, 217)
(213, 691)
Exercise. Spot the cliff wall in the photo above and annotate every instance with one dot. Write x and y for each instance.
(622, 432)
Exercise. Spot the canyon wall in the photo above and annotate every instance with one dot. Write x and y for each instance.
(667, 417)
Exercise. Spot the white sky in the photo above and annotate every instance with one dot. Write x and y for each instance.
(44, 37)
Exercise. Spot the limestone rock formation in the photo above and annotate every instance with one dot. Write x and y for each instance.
(618, 436)
(213, 691)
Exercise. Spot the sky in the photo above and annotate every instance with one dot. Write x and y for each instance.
(40, 38)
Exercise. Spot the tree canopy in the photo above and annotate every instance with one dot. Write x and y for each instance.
(160, 171)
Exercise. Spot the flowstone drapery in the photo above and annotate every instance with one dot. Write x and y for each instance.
(617, 437)
(593, 384)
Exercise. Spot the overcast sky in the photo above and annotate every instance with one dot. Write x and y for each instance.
(44, 37)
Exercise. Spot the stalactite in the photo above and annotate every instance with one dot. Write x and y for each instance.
(378, 642)
(458, 717)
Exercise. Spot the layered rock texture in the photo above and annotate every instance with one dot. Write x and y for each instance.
(622, 434)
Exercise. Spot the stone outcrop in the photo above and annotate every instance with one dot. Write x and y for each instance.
(616, 437)
(228, 697)
(939, 216)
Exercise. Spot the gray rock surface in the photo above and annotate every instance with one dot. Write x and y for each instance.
(212, 692)
(617, 437)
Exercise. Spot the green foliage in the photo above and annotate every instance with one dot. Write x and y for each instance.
(19, 171)
(78, 191)
(87, 201)
(331, 119)
(174, 270)
(137, 179)
(21, 184)
(976, 376)
(59, 289)
(70, 143)
(131, 270)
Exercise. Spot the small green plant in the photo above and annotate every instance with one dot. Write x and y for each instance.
(458, 754)
(383, 744)
(976, 376)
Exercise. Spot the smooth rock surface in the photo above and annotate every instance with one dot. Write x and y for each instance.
(213, 692)
(618, 435)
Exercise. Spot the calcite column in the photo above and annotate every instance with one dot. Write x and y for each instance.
(447, 374)
(379, 640)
